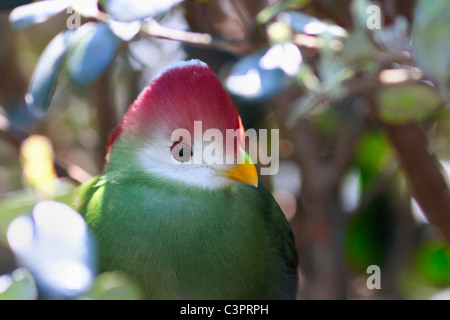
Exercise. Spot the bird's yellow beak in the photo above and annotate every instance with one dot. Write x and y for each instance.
(243, 172)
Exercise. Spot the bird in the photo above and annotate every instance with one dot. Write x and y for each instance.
(180, 229)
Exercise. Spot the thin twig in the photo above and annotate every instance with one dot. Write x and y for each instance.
(154, 29)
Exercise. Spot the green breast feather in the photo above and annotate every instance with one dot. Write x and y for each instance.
(179, 242)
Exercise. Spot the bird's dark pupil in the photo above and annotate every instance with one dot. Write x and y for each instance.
(180, 153)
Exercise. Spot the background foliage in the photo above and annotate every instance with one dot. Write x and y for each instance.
(363, 116)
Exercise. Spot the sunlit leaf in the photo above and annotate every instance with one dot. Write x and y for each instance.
(132, 10)
(262, 75)
(279, 32)
(36, 12)
(303, 23)
(113, 286)
(19, 285)
(125, 30)
(93, 50)
(37, 162)
(407, 102)
(45, 75)
(88, 8)
(55, 246)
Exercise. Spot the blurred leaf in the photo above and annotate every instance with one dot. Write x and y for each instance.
(358, 9)
(333, 72)
(430, 45)
(433, 263)
(270, 11)
(373, 151)
(45, 75)
(55, 246)
(302, 106)
(395, 37)
(37, 162)
(21, 202)
(92, 51)
(372, 155)
(132, 10)
(19, 285)
(88, 8)
(303, 23)
(407, 102)
(357, 46)
(113, 286)
(412, 286)
(426, 13)
(36, 12)
(124, 30)
(279, 32)
(325, 119)
(366, 238)
(263, 74)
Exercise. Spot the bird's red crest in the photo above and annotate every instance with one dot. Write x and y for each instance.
(184, 93)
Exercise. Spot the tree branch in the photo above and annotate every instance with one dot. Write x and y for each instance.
(423, 173)
(154, 29)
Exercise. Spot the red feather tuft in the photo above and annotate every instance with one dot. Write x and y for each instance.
(184, 93)
(113, 137)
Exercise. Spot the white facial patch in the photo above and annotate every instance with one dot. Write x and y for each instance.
(156, 158)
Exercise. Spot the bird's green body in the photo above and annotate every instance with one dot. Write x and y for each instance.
(184, 229)
(182, 242)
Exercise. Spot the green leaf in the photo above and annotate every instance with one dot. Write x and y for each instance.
(365, 242)
(19, 285)
(113, 286)
(433, 263)
(407, 102)
(36, 12)
(357, 47)
(93, 50)
(45, 75)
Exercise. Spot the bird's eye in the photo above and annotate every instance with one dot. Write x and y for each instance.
(181, 151)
